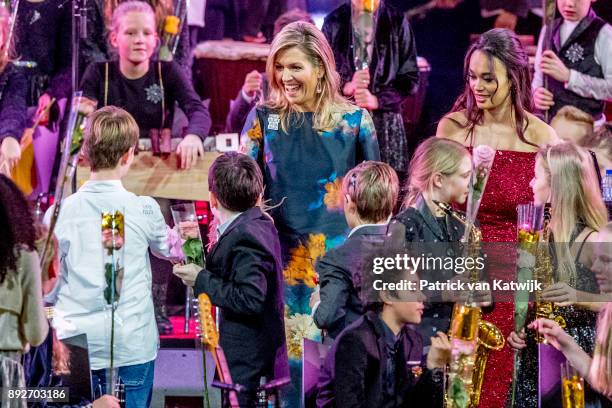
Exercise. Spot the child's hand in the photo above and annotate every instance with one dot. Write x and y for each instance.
(440, 351)
(553, 333)
(252, 83)
(561, 293)
(553, 66)
(543, 99)
(188, 273)
(10, 152)
(189, 149)
(87, 105)
(517, 341)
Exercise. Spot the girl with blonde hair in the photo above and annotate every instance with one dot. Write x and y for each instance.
(305, 137)
(439, 171)
(565, 176)
(96, 46)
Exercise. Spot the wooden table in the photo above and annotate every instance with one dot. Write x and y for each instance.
(157, 177)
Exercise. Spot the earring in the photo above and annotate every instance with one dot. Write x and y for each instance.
(319, 88)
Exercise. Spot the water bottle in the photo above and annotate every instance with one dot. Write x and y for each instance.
(607, 191)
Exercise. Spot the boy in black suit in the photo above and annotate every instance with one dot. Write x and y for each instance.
(376, 361)
(370, 193)
(243, 275)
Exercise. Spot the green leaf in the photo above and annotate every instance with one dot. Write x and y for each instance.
(458, 394)
(194, 251)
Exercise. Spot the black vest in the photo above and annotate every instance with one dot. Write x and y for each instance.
(578, 53)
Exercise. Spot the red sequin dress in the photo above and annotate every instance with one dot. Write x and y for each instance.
(507, 187)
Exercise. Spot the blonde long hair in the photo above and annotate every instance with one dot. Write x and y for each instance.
(600, 373)
(434, 155)
(132, 6)
(308, 39)
(161, 8)
(574, 197)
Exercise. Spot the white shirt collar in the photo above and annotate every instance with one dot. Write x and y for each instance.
(102, 185)
(221, 228)
(365, 225)
(567, 27)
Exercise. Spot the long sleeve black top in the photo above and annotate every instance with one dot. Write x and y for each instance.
(142, 97)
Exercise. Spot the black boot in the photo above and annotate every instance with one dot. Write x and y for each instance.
(161, 314)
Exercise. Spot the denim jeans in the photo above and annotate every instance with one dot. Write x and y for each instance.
(138, 381)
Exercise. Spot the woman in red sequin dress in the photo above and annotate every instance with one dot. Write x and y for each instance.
(494, 110)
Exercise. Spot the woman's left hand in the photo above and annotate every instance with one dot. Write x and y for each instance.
(10, 151)
(365, 99)
(560, 293)
(188, 150)
(553, 66)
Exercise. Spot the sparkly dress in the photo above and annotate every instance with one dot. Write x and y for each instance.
(581, 325)
(507, 187)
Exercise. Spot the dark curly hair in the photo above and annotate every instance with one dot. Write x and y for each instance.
(504, 45)
(16, 226)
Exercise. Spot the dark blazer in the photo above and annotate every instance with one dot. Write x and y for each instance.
(243, 277)
(340, 276)
(423, 232)
(355, 368)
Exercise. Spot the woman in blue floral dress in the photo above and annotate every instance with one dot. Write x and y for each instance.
(306, 137)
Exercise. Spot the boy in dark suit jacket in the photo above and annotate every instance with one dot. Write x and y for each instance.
(243, 275)
(376, 361)
(370, 192)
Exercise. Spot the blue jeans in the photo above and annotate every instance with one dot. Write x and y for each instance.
(138, 381)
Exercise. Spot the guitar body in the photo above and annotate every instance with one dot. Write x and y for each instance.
(210, 338)
(24, 173)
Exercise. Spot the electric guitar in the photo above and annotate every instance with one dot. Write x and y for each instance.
(24, 173)
(210, 338)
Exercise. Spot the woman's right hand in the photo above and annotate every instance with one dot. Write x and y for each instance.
(543, 99)
(517, 340)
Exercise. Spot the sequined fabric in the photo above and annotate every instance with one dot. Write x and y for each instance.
(392, 140)
(507, 187)
(580, 325)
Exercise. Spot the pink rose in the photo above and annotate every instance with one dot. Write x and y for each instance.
(483, 156)
(189, 229)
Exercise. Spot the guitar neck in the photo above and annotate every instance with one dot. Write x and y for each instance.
(224, 372)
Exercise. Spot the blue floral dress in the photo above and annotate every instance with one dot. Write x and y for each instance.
(303, 170)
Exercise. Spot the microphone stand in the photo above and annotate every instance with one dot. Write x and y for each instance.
(79, 32)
